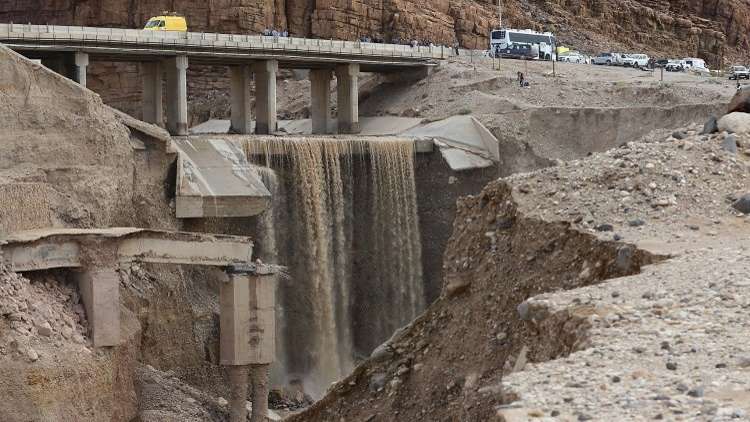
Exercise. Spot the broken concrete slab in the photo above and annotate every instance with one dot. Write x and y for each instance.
(464, 142)
(461, 159)
(214, 179)
(42, 249)
(462, 132)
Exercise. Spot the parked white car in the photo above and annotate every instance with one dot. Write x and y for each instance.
(605, 59)
(573, 57)
(620, 59)
(636, 60)
(692, 62)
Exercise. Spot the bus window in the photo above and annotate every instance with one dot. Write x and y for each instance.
(498, 35)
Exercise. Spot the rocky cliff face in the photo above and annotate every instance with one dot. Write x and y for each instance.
(668, 26)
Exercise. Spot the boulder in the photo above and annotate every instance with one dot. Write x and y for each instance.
(710, 126)
(729, 144)
(736, 122)
(743, 204)
(740, 102)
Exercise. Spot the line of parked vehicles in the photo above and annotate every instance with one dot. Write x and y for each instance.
(644, 61)
(527, 44)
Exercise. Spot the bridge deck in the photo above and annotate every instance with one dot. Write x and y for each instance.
(113, 44)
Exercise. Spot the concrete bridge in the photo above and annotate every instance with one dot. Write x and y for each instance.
(68, 50)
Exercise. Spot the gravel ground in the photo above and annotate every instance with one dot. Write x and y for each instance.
(665, 194)
(671, 342)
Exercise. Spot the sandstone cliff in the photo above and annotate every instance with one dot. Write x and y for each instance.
(678, 27)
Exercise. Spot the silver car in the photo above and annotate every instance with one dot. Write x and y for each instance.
(605, 59)
(739, 72)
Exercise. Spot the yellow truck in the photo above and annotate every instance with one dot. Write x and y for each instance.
(167, 22)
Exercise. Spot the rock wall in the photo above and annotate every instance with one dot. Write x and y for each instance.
(674, 26)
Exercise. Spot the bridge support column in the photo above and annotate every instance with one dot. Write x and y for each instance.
(320, 95)
(177, 118)
(247, 330)
(240, 93)
(152, 103)
(265, 96)
(80, 62)
(100, 292)
(347, 94)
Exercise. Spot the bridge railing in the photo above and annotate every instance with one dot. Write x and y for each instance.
(41, 33)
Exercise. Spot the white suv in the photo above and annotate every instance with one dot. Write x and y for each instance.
(636, 60)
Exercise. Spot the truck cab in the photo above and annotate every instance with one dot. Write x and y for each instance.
(167, 22)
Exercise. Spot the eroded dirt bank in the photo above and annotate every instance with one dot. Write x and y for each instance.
(496, 258)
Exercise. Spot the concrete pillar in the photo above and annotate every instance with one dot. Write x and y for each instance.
(259, 380)
(247, 336)
(320, 95)
(262, 319)
(347, 94)
(265, 96)
(238, 392)
(100, 292)
(177, 118)
(80, 62)
(153, 86)
(240, 93)
(234, 320)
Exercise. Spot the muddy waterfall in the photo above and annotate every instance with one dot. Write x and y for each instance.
(348, 211)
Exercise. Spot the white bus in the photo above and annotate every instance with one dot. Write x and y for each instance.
(503, 40)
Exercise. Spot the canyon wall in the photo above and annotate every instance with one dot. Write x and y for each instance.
(667, 26)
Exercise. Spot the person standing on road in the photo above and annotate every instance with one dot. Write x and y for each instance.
(520, 79)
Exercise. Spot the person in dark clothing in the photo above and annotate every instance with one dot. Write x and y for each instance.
(521, 80)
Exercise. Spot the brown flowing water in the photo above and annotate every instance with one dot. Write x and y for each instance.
(344, 220)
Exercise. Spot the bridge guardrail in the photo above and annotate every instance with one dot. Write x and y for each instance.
(206, 39)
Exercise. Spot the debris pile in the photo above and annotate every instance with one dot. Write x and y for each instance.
(46, 312)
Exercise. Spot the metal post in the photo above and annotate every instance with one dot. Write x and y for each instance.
(553, 56)
(553, 62)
